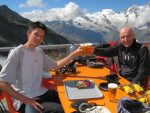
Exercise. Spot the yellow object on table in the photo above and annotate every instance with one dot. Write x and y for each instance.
(142, 99)
(127, 89)
(138, 88)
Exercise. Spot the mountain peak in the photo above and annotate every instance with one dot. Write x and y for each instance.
(4, 7)
(11, 16)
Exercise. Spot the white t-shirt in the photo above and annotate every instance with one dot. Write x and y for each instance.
(23, 69)
(31, 73)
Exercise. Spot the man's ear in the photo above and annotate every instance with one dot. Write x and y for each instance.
(28, 33)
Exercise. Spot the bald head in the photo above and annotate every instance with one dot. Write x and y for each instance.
(126, 36)
(126, 30)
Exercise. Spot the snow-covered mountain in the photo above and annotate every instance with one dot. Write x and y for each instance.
(103, 26)
(74, 33)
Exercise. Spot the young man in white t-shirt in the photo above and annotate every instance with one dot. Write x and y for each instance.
(21, 76)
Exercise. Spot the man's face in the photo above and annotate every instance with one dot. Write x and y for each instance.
(36, 36)
(126, 37)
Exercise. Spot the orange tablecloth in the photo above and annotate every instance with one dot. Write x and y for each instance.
(96, 75)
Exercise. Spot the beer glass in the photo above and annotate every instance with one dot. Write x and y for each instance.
(87, 48)
(112, 89)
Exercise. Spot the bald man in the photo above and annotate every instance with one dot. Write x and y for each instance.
(133, 57)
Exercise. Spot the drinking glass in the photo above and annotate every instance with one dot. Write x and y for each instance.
(112, 89)
(87, 48)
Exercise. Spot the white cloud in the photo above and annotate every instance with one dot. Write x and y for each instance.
(136, 16)
(143, 17)
(33, 3)
(70, 11)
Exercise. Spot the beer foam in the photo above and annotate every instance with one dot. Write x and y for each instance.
(89, 44)
(83, 44)
(86, 44)
(112, 85)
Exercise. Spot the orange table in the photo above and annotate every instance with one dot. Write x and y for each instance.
(96, 75)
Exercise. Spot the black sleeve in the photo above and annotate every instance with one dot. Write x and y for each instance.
(108, 52)
(144, 65)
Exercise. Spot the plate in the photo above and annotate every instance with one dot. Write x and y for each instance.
(73, 93)
(103, 86)
(100, 109)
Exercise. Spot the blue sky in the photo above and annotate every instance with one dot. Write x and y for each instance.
(91, 6)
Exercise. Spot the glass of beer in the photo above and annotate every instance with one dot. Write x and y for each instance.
(112, 89)
(87, 48)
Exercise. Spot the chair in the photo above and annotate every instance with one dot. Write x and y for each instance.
(46, 82)
(108, 62)
(8, 101)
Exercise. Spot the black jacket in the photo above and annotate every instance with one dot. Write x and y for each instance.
(133, 61)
